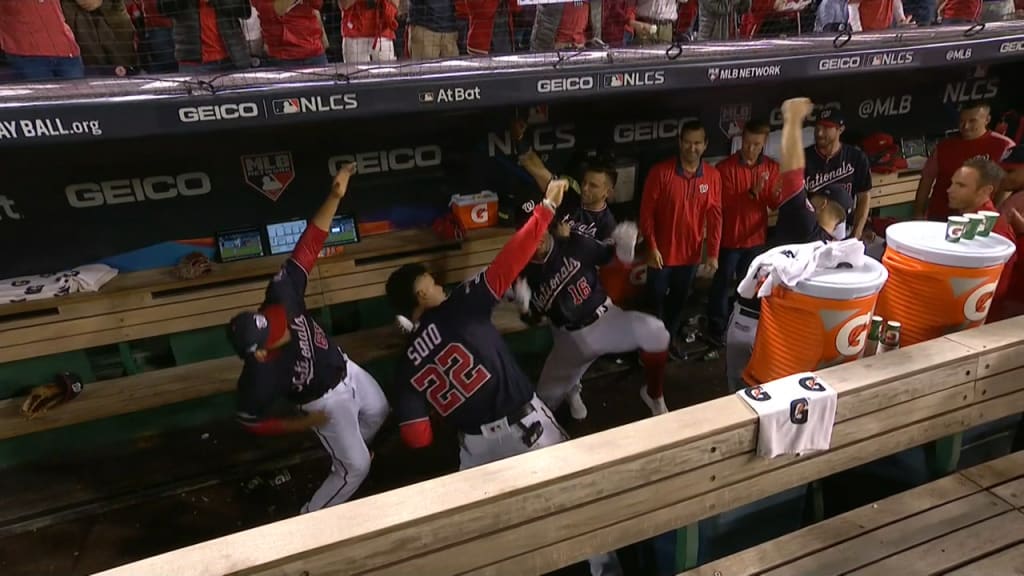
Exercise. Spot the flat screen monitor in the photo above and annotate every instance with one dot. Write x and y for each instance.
(283, 236)
(239, 245)
(343, 231)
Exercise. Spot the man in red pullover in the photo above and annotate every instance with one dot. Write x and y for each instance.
(971, 191)
(682, 198)
(974, 140)
(748, 178)
(292, 32)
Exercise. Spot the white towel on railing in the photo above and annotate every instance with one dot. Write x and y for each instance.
(89, 278)
(795, 414)
(787, 265)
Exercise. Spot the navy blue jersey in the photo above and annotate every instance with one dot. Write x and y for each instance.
(797, 222)
(303, 369)
(596, 224)
(849, 168)
(458, 363)
(565, 285)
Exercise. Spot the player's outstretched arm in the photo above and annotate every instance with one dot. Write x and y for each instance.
(794, 112)
(312, 241)
(520, 248)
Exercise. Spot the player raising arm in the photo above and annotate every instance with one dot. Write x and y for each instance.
(288, 355)
(561, 282)
(458, 364)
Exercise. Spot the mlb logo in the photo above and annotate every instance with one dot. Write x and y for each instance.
(269, 174)
(287, 106)
(614, 80)
(876, 60)
(713, 74)
(733, 118)
(427, 97)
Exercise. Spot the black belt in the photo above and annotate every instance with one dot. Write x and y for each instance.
(656, 21)
(744, 311)
(513, 419)
(600, 311)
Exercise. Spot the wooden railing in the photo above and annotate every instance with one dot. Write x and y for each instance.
(539, 511)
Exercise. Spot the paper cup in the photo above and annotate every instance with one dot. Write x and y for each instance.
(974, 223)
(990, 222)
(955, 228)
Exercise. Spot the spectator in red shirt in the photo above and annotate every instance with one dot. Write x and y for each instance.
(292, 32)
(37, 41)
(559, 26)
(368, 30)
(959, 11)
(208, 34)
(682, 196)
(490, 24)
(748, 178)
(974, 139)
(616, 16)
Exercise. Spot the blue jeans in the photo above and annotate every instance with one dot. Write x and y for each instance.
(320, 60)
(45, 67)
(731, 262)
(667, 290)
(158, 51)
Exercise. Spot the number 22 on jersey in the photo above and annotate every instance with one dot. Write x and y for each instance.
(451, 378)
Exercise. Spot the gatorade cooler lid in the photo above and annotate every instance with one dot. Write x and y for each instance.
(471, 199)
(845, 283)
(926, 241)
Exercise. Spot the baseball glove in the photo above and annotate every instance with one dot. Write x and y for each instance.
(192, 266)
(65, 387)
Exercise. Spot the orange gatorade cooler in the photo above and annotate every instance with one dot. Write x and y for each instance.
(936, 287)
(822, 321)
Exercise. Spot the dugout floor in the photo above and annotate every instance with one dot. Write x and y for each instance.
(196, 484)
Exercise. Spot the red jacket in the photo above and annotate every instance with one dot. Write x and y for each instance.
(35, 28)
(676, 207)
(949, 156)
(361, 21)
(480, 14)
(744, 216)
(961, 10)
(294, 36)
(1011, 282)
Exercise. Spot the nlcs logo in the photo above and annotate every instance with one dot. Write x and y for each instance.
(977, 304)
(852, 336)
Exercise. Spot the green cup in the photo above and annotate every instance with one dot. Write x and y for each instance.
(955, 228)
(974, 223)
(990, 222)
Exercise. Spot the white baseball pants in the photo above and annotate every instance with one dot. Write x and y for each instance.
(739, 346)
(356, 408)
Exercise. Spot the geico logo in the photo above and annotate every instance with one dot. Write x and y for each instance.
(219, 112)
(1008, 47)
(479, 214)
(545, 139)
(841, 63)
(388, 160)
(853, 335)
(645, 131)
(565, 84)
(776, 115)
(977, 304)
(91, 194)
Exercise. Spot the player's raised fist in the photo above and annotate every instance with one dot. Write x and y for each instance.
(340, 185)
(797, 108)
(556, 189)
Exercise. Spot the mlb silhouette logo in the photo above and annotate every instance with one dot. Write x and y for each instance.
(614, 80)
(713, 74)
(287, 106)
(269, 174)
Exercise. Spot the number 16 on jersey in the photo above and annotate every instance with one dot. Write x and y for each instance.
(452, 377)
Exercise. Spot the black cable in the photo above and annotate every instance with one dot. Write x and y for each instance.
(674, 50)
(845, 35)
(974, 29)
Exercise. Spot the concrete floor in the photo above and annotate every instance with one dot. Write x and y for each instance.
(198, 484)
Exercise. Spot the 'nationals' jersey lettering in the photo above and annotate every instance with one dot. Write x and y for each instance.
(565, 285)
(550, 288)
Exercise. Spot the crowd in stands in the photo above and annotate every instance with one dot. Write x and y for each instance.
(72, 38)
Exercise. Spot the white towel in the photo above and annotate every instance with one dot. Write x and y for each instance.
(88, 278)
(789, 264)
(795, 414)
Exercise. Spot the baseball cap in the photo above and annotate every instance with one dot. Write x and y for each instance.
(832, 117)
(250, 331)
(836, 193)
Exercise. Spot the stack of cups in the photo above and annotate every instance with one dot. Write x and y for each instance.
(970, 226)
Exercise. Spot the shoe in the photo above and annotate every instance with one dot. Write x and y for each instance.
(656, 405)
(577, 408)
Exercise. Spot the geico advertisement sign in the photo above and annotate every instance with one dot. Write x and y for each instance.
(379, 161)
(776, 115)
(645, 131)
(128, 191)
(217, 112)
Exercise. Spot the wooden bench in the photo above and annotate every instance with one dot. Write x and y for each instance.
(540, 511)
(154, 303)
(968, 523)
(888, 190)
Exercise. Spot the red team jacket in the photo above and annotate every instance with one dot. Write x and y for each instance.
(744, 217)
(294, 36)
(480, 14)
(676, 207)
(949, 156)
(361, 21)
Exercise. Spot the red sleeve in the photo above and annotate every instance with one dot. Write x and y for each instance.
(267, 427)
(517, 251)
(417, 434)
(792, 184)
(1003, 288)
(714, 216)
(768, 194)
(308, 247)
(931, 167)
(648, 205)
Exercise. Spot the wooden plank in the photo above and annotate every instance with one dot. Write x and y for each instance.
(1002, 343)
(952, 550)
(996, 472)
(892, 198)
(672, 516)
(1009, 562)
(1002, 383)
(383, 529)
(895, 538)
(839, 529)
(1012, 492)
